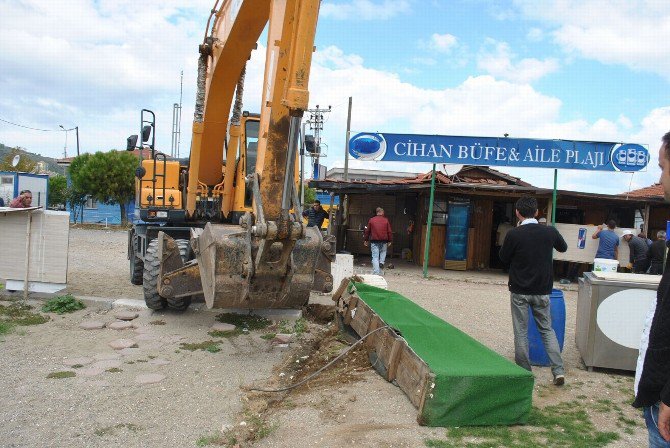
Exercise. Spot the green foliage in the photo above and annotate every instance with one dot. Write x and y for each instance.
(58, 192)
(563, 425)
(268, 336)
(310, 195)
(107, 176)
(63, 304)
(61, 375)
(25, 165)
(6, 327)
(209, 346)
(298, 327)
(244, 321)
(18, 314)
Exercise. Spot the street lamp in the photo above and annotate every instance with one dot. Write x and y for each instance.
(64, 147)
(76, 129)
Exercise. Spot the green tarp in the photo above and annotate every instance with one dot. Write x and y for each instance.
(473, 384)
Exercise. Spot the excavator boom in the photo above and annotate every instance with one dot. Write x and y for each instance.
(269, 259)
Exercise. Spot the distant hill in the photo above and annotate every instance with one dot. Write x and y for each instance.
(50, 163)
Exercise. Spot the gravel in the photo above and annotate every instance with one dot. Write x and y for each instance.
(198, 392)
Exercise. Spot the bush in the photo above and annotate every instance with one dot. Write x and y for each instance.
(63, 304)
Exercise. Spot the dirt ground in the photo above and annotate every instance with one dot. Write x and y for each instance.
(202, 394)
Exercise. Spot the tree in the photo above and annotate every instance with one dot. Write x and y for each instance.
(25, 165)
(109, 177)
(310, 195)
(76, 194)
(58, 193)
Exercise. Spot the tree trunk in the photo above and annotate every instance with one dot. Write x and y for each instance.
(124, 218)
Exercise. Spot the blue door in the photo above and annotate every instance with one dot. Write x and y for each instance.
(458, 223)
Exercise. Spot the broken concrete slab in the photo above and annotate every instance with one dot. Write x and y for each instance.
(108, 364)
(126, 315)
(120, 344)
(121, 325)
(92, 325)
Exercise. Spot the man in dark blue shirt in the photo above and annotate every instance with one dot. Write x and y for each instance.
(315, 215)
(608, 247)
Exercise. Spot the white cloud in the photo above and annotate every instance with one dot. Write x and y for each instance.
(102, 68)
(364, 9)
(442, 43)
(631, 33)
(535, 35)
(497, 59)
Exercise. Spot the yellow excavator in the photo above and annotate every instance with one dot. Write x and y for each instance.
(227, 224)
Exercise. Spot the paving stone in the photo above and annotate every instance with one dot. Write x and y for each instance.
(149, 378)
(126, 315)
(220, 326)
(121, 325)
(92, 325)
(119, 344)
(106, 356)
(282, 338)
(159, 362)
(130, 351)
(77, 361)
(107, 364)
(90, 371)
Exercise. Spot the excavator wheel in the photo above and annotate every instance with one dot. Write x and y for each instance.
(150, 284)
(136, 268)
(181, 303)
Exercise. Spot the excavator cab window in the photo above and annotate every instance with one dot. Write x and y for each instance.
(251, 145)
(251, 142)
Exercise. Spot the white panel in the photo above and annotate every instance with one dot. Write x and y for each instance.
(621, 316)
(570, 233)
(48, 245)
(38, 186)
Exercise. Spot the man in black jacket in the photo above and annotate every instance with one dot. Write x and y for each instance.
(528, 252)
(652, 376)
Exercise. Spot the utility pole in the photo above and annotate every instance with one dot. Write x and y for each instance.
(346, 146)
(316, 125)
(176, 122)
(76, 128)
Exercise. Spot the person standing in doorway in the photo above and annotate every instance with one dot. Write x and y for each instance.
(379, 235)
(652, 376)
(608, 246)
(528, 252)
(657, 254)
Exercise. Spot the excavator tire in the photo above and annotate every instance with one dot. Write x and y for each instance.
(181, 303)
(136, 269)
(150, 284)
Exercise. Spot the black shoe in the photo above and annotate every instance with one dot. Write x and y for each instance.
(381, 265)
(559, 380)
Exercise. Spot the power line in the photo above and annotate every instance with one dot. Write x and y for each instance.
(36, 129)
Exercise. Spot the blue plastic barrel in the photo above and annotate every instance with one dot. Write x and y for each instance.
(536, 352)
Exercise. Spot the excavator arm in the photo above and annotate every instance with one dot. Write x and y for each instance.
(270, 259)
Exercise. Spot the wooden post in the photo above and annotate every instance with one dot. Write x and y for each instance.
(27, 263)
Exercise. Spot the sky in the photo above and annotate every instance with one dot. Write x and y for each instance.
(565, 69)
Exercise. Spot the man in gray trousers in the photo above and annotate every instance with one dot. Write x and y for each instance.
(528, 252)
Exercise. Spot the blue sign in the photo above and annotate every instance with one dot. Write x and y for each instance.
(499, 151)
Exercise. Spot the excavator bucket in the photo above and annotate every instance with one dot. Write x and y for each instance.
(233, 274)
